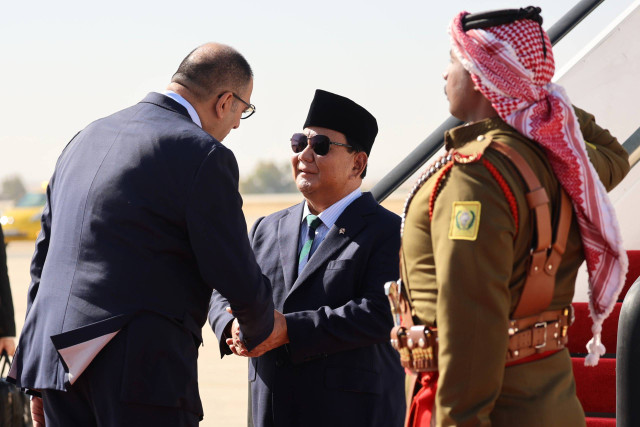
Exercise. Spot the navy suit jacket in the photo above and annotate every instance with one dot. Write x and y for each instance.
(143, 220)
(7, 323)
(339, 368)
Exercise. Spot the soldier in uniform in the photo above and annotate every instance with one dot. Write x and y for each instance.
(469, 228)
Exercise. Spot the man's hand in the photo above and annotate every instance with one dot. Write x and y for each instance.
(37, 412)
(235, 336)
(277, 338)
(234, 333)
(8, 344)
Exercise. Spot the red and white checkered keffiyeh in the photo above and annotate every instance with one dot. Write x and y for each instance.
(508, 65)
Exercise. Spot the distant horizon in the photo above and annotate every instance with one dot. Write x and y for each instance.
(35, 187)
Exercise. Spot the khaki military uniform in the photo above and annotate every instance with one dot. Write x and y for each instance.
(465, 269)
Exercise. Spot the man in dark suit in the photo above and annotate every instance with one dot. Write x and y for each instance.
(143, 221)
(328, 259)
(7, 322)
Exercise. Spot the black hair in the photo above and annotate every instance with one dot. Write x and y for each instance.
(356, 147)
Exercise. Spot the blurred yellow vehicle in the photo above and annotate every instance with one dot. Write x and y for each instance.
(22, 222)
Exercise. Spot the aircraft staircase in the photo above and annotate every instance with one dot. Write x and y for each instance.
(596, 386)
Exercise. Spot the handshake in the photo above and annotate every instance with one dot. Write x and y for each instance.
(278, 337)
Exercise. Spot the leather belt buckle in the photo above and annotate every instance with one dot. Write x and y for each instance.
(540, 325)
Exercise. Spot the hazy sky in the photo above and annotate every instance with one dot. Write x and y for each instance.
(67, 63)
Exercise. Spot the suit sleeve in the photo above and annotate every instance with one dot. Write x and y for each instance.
(7, 321)
(473, 302)
(607, 155)
(218, 234)
(42, 248)
(42, 242)
(219, 319)
(365, 320)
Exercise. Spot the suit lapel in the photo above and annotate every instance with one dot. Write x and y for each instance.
(345, 229)
(288, 232)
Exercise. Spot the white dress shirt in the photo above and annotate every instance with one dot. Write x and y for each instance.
(179, 99)
(328, 217)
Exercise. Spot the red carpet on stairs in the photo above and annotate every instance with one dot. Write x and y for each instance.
(601, 422)
(596, 386)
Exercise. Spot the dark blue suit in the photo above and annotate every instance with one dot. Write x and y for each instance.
(143, 221)
(338, 369)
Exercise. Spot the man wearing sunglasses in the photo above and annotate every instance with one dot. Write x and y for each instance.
(327, 259)
(143, 219)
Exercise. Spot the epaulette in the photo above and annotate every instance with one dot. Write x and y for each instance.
(472, 151)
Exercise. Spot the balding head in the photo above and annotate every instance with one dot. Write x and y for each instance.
(211, 69)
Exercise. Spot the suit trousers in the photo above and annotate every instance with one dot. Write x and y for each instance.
(94, 400)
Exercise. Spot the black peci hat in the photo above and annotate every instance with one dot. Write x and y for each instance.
(341, 114)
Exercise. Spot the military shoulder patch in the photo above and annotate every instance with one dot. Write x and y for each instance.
(465, 221)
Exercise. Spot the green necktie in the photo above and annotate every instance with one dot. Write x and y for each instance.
(313, 222)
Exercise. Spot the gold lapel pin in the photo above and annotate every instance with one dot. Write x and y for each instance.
(342, 231)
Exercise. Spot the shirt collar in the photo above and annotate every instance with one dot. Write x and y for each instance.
(330, 215)
(180, 100)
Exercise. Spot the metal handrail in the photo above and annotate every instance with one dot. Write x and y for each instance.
(427, 148)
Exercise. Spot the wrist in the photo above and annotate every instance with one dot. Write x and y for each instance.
(226, 332)
(284, 333)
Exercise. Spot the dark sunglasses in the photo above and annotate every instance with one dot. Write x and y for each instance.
(319, 143)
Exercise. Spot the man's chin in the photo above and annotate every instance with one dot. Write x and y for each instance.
(305, 187)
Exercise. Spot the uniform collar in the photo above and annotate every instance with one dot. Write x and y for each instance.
(461, 135)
